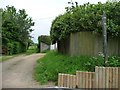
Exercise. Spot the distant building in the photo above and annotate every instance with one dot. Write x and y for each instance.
(53, 46)
(44, 43)
(44, 47)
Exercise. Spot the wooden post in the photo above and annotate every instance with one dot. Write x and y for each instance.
(105, 49)
(0, 22)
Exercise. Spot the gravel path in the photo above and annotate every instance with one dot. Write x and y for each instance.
(18, 72)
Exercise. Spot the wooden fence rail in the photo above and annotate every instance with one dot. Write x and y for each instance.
(103, 77)
(107, 77)
(67, 80)
(85, 79)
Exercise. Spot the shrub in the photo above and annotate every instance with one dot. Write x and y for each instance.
(10, 48)
(87, 17)
(16, 48)
(45, 39)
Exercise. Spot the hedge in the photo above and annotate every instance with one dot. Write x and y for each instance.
(87, 17)
(14, 47)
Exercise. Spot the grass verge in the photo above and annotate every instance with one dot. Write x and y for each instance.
(31, 50)
(52, 63)
(4, 58)
(7, 57)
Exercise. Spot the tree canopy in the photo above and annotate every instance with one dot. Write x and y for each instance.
(45, 39)
(16, 27)
(87, 17)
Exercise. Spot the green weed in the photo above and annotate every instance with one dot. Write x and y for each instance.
(52, 63)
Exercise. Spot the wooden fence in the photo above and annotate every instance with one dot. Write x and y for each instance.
(103, 77)
(85, 79)
(88, 43)
(67, 80)
(107, 77)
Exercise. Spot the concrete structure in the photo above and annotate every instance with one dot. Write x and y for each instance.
(53, 46)
(44, 47)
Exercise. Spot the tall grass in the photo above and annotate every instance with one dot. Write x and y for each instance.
(48, 67)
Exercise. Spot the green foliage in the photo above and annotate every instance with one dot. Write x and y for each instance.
(30, 43)
(10, 48)
(87, 17)
(4, 58)
(14, 47)
(114, 61)
(44, 39)
(16, 29)
(32, 49)
(52, 63)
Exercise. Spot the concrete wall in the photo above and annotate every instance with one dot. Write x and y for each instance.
(44, 47)
(53, 46)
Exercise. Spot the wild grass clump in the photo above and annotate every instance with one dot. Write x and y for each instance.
(52, 63)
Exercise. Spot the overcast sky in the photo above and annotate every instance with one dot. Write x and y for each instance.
(43, 12)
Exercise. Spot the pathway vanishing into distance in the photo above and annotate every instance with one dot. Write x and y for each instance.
(18, 72)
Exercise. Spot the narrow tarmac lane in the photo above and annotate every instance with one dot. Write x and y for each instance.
(18, 72)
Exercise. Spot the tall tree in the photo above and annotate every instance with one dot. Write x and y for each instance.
(16, 26)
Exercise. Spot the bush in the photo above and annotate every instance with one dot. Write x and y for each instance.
(10, 48)
(49, 66)
(114, 61)
(87, 17)
(45, 39)
(32, 49)
(14, 47)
